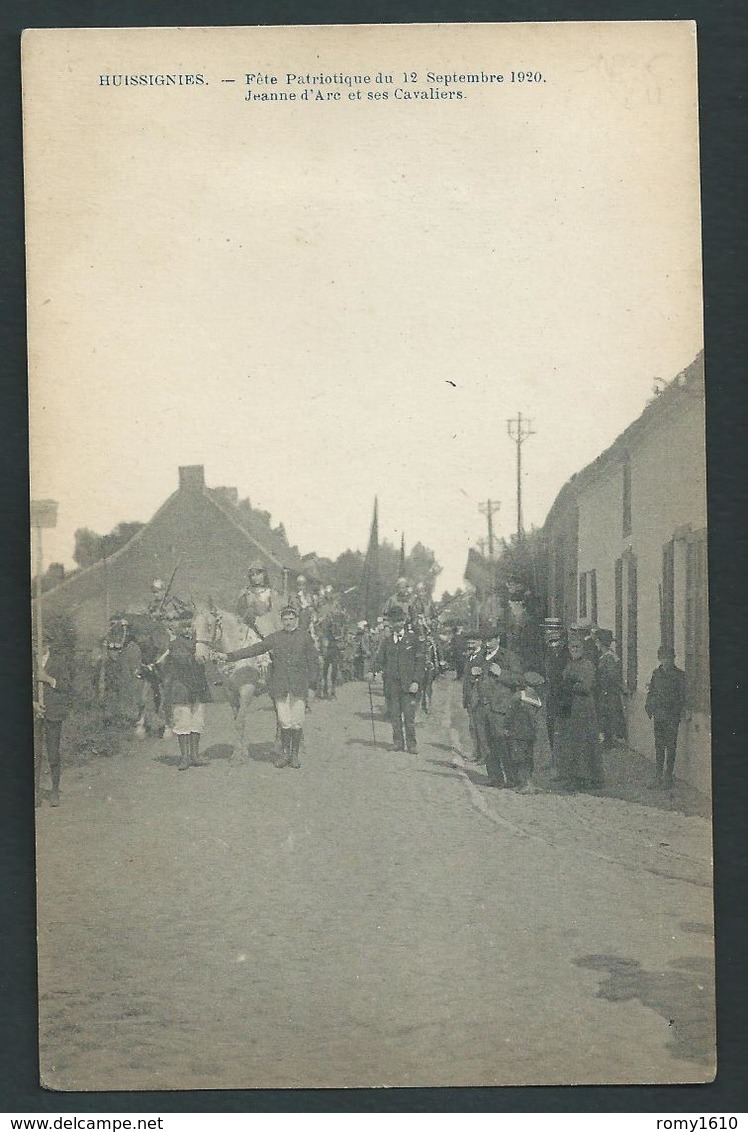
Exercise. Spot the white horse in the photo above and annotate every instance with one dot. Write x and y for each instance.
(240, 682)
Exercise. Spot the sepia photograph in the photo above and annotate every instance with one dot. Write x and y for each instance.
(371, 682)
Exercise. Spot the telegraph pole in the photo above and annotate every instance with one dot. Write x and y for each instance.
(519, 430)
(43, 515)
(489, 509)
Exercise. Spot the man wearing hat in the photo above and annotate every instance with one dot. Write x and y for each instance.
(666, 698)
(401, 658)
(499, 678)
(293, 672)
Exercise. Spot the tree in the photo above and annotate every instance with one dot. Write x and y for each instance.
(88, 547)
(253, 514)
(121, 534)
(527, 560)
(53, 575)
(421, 566)
(91, 547)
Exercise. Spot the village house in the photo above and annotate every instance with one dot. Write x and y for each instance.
(627, 550)
(203, 534)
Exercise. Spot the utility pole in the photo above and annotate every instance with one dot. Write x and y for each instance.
(43, 515)
(489, 509)
(519, 430)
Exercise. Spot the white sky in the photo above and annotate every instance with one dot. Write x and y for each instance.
(285, 293)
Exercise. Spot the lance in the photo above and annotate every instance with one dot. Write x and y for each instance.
(167, 591)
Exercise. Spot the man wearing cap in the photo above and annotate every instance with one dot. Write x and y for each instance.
(666, 699)
(401, 658)
(293, 672)
(185, 694)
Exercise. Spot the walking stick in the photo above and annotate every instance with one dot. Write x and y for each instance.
(371, 708)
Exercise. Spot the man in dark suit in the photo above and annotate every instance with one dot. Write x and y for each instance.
(401, 658)
(666, 699)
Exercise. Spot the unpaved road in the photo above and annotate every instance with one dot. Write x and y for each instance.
(375, 918)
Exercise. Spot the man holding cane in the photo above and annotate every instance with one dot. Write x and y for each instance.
(401, 658)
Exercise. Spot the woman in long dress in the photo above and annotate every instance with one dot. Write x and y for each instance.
(576, 748)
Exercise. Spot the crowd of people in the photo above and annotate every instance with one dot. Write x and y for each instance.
(582, 692)
(162, 665)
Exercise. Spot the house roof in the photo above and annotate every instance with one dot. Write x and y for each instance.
(259, 535)
(686, 385)
(271, 542)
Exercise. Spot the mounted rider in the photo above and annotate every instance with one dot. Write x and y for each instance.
(259, 605)
(166, 607)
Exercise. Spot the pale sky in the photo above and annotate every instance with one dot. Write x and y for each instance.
(285, 293)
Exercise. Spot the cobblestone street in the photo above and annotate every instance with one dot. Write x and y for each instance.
(374, 918)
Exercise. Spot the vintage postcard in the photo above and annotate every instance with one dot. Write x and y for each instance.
(371, 660)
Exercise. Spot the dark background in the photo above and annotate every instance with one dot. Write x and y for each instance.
(723, 77)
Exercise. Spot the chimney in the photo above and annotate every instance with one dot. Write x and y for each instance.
(192, 478)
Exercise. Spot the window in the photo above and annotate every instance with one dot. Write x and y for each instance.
(626, 497)
(697, 624)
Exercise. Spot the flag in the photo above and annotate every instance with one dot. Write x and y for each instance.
(401, 565)
(371, 596)
(479, 571)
